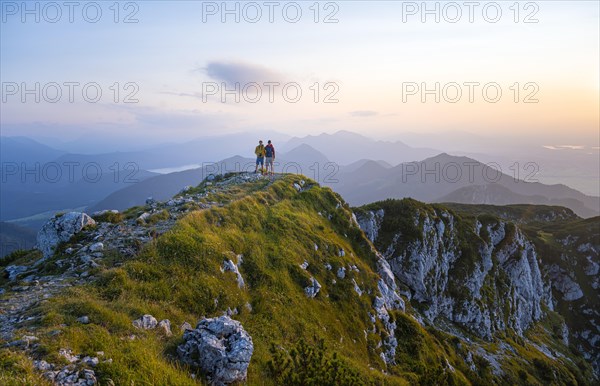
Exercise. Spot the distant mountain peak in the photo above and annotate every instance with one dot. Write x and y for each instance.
(302, 151)
(445, 157)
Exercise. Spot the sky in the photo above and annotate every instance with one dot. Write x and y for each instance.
(168, 71)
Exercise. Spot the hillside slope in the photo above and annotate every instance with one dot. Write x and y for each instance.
(287, 258)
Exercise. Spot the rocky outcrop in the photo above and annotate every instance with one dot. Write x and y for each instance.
(61, 229)
(76, 373)
(149, 322)
(370, 222)
(313, 289)
(486, 279)
(575, 279)
(387, 286)
(220, 347)
(12, 271)
(230, 266)
(564, 283)
(387, 300)
(165, 327)
(146, 322)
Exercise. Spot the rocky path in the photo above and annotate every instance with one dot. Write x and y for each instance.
(28, 288)
(14, 308)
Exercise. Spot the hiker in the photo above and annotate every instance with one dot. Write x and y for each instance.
(260, 156)
(270, 156)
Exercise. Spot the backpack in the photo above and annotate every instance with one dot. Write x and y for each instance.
(269, 151)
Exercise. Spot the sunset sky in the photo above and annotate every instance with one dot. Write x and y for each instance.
(367, 58)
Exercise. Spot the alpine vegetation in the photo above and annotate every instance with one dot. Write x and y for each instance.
(257, 279)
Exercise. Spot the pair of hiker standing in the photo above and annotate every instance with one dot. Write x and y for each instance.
(265, 154)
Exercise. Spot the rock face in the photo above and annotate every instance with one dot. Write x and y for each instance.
(486, 279)
(482, 272)
(563, 283)
(387, 300)
(575, 277)
(220, 347)
(61, 229)
(370, 223)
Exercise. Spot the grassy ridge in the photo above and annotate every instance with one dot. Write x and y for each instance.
(179, 277)
(275, 228)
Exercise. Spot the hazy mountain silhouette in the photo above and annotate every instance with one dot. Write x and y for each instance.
(345, 147)
(165, 186)
(23, 149)
(361, 180)
(435, 179)
(303, 159)
(14, 237)
(358, 164)
(495, 194)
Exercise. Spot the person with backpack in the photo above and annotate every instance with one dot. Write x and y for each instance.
(270, 156)
(260, 156)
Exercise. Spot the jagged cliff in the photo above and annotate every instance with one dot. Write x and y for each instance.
(420, 295)
(485, 274)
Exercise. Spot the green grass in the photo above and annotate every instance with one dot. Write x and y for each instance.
(110, 217)
(17, 370)
(157, 217)
(178, 277)
(524, 213)
(325, 340)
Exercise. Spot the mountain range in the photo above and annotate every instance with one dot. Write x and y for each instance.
(39, 180)
(432, 180)
(345, 147)
(446, 178)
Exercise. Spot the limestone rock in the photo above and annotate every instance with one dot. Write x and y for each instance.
(313, 289)
(433, 267)
(370, 223)
(146, 322)
(185, 326)
(165, 326)
(229, 265)
(96, 247)
(61, 229)
(563, 283)
(220, 347)
(14, 270)
(143, 217)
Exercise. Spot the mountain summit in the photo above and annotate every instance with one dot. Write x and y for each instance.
(245, 278)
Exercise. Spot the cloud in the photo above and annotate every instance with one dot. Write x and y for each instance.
(240, 72)
(564, 147)
(363, 113)
(196, 95)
